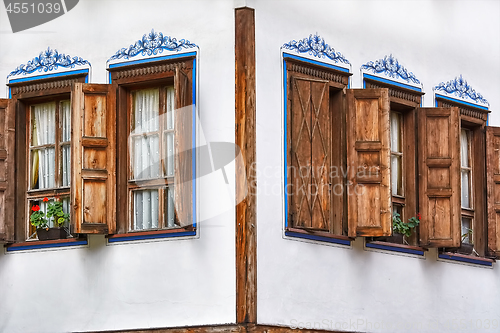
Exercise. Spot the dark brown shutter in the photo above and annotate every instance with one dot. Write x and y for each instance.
(310, 154)
(183, 116)
(439, 176)
(368, 163)
(7, 167)
(493, 188)
(93, 156)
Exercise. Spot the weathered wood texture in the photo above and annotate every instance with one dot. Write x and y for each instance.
(439, 176)
(241, 328)
(93, 182)
(183, 146)
(493, 188)
(310, 153)
(245, 138)
(7, 167)
(368, 156)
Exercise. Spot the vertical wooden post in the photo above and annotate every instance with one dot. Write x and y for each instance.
(246, 241)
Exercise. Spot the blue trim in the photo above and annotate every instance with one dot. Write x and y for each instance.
(44, 246)
(461, 102)
(194, 141)
(109, 73)
(39, 77)
(391, 82)
(151, 236)
(10, 93)
(462, 259)
(287, 55)
(318, 238)
(285, 193)
(394, 249)
(141, 61)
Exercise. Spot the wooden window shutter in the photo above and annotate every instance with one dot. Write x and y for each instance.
(93, 156)
(368, 163)
(183, 128)
(439, 176)
(7, 167)
(493, 188)
(310, 153)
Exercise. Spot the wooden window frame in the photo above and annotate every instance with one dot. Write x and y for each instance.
(337, 81)
(405, 102)
(24, 95)
(474, 120)
(125, 80)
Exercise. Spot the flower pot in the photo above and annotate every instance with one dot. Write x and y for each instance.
(51, 233)
(395, 238)
(466, 248)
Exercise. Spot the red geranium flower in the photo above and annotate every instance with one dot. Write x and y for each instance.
(35, 208)
(419, 216)
(45, 199)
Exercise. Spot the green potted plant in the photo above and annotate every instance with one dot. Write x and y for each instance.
(466, 244)
(41, 220)
(402, 230)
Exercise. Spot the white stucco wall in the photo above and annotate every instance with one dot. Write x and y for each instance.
(142, 284)
(347, 288)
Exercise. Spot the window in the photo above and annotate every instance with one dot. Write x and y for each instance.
(49, 156)
(43, 127)
(471, 225)
(404, 103)
(155, 127)
(315, 154)
(152, 158)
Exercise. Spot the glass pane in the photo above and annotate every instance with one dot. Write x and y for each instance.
(464, 148)
(396, 132)
(145, 209)
(170, 207)
(43, 124)
(65, 108)
(465, 189)
(466, 230)
(145, 113)
(43, 168)
(170, 107)
(396, 175)
(66, 165)
(169, 147)
(146, 157)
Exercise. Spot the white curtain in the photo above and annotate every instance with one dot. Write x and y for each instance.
(145, 209)
(43, 133)
(464, 157)
(146, 156)
(146, 148)
(396, 179)
(65, 108)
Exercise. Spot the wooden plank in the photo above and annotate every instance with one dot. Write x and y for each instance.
(7, 167)
(369, 201)
(439, 175)
(245, 138)
(493, 189)
(93, 191)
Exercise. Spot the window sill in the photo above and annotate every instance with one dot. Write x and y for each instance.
(466, 258)
(145, 235)
(32, 245)
(318, 236)
(409, 249)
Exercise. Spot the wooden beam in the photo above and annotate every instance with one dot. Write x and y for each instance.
(246, 241)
